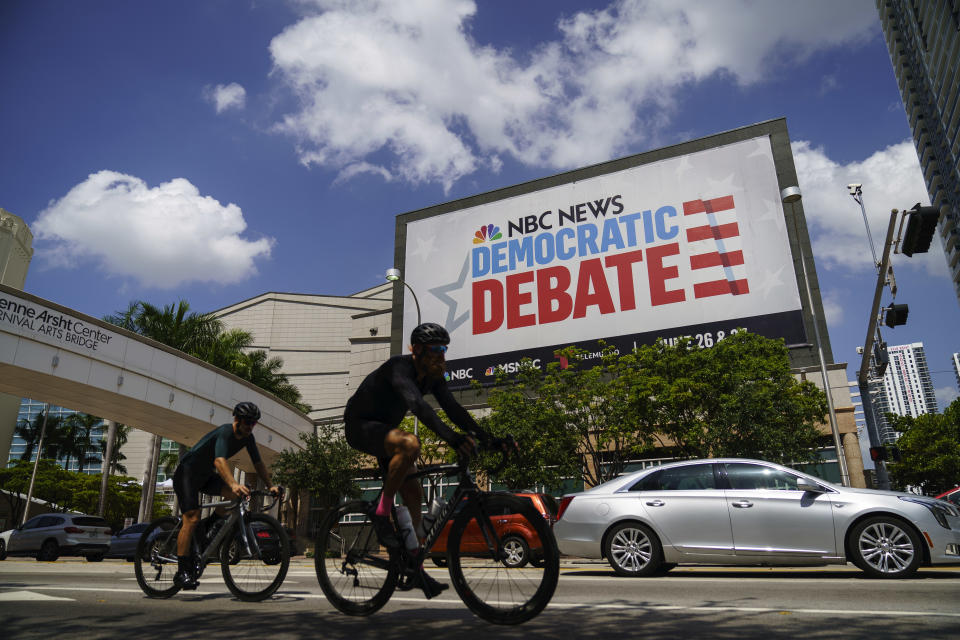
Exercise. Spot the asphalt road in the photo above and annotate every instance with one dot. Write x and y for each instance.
(77, 600)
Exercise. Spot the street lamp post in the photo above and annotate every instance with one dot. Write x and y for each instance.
(393, 275)
(790, 195)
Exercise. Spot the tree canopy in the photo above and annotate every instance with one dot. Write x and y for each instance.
(73, 491)
(929, 450)
(736, 398)
(326, 467)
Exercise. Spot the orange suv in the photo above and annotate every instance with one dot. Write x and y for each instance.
(521, 543)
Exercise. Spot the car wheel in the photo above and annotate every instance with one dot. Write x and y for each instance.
(536, 561)
(3, 549)
(885, 547)
(49, 551)
(516, 552)
(440, 561)
(95, 557)
(633, 549)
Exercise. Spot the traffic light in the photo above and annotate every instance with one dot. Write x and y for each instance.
(920, 227)
(880, 358)
(878, 454)
(895, 315)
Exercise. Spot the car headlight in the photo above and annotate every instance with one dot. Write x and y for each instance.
(938, 508)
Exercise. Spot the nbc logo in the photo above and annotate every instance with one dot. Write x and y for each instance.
(487, 233)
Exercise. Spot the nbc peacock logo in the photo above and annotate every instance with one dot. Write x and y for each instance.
(487, 233)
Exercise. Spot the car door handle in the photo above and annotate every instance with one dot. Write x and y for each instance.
(742, 504)
(655, 503)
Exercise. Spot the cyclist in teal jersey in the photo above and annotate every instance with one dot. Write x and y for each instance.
(204, 469)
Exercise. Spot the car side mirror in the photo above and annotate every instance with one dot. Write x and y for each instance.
(805, 485)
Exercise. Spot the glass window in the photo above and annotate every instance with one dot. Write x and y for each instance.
(691, 477)
(90, 521)
(33, 523)
(754, 476)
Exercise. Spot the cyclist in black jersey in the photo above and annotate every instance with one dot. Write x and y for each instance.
(374, 412)
(204, 469)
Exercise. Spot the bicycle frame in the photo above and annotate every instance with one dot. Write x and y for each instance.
(238, 508)
(466, 488)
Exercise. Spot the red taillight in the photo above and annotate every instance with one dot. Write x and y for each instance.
(564, 503)
(108, 532)
(263, 534)
(73, 530)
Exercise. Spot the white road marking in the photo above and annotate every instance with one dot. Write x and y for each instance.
(567, 605)
(27, 596)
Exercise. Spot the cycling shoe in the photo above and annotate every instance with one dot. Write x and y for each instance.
(185, 581)
(422, 580)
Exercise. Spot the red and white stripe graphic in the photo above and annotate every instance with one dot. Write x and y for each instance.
(713, 235)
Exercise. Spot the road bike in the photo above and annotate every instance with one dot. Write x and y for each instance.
(358, 575)
(253, 549)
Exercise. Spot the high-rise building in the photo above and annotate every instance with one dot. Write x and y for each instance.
(955, 360)
(906, 388)
(924, 43)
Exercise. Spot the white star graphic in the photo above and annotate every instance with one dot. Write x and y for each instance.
(424, 247)
(456, 287)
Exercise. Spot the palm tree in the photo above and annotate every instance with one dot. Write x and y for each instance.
(51, 440)
(173, 325)
(115, 466)
(203, 336)
(81, 426)
(30, 432)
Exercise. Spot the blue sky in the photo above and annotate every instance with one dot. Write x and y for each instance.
(214, 150)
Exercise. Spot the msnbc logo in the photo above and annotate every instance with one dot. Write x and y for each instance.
(487, 233)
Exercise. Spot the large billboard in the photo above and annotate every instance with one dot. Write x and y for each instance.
(694, 245)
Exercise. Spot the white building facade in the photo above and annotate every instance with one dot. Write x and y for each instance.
(907, 389)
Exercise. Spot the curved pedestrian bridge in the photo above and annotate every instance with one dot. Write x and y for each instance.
(51, 353)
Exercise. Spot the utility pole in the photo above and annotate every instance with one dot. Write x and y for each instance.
(33, 476)
(883, 480)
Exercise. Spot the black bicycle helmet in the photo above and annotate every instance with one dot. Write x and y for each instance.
(246, 411)
(429, 333)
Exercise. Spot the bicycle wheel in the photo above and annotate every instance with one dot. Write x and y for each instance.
(155, 562)
(254, 570)
(356, 574)
(483, 569)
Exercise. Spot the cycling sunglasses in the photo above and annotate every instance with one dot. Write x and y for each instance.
(249, 422)
(437, 348)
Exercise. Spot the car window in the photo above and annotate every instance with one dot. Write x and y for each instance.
(755, 476)
(135, 528)
(49, 521)
(550, 503)
(90, 521)
(33, 523)
(686, 478)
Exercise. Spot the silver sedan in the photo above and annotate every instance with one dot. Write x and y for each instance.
(738, 511)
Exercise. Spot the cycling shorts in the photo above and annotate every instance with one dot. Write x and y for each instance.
(370, 437)
(188, 485)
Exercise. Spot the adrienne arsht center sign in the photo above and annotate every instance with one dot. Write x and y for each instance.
(690, 245)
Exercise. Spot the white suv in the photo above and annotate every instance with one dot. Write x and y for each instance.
(51, 535)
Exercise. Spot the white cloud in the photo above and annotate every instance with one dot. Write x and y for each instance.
(408, 78)
(162, 236)
(891, 178)
(945, 396)
(226, 96)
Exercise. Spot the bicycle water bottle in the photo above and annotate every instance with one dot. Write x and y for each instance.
(433, 512)
(406, 528)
